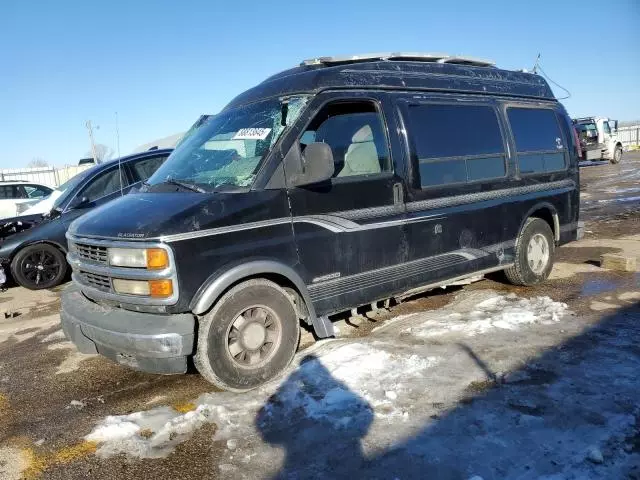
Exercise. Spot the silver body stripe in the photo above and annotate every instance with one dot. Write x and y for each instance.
(344, 222)
(327, 289)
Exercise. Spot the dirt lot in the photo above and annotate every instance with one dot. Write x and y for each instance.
(481, 381)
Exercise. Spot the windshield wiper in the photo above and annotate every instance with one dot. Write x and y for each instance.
(186, 185)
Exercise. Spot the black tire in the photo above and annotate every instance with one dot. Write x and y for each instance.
(522, 272)
(617, 154)
(39, 266)
(219, 337)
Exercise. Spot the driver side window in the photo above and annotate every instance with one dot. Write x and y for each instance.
(355, 133)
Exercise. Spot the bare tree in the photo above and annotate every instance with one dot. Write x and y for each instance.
(103, 152)
(37, 162)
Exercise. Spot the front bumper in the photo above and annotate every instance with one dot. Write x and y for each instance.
(149, 342)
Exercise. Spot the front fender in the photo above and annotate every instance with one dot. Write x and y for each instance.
(49, 231)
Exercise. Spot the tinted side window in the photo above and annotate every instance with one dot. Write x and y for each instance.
(143, 169)
(105, 184)
(538, 139)
(355, 133)
(8, 191)
(456, 143)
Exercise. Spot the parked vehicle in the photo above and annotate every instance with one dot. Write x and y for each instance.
(17, 196)
(598, 139)
(33, 247)
(45, 205)
(87, 161)
(336, 184)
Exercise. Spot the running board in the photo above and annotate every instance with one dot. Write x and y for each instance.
(323, 326)
(449, 281)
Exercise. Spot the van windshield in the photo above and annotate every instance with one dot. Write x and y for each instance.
(227, 149)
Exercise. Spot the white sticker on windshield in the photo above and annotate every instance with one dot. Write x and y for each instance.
(252, 134)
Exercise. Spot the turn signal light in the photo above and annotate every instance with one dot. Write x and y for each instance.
(157, 258)
(160, 288)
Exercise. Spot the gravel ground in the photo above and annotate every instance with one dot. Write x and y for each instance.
(559, 416)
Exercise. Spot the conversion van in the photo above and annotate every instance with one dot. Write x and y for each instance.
(335, 184)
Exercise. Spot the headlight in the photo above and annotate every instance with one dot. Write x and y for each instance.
(149, 288)
(150, 258)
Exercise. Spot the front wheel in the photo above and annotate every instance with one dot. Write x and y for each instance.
(535, 249)
(39, 266)
(249, 337)
(617, 155)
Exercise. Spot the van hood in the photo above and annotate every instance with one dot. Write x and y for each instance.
(142, 216)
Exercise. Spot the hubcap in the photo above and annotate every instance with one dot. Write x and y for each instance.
(254, 337)
(40, 267)
(538, 253)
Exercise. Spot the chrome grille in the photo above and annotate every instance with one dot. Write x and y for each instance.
(101, 282)
(92, 253)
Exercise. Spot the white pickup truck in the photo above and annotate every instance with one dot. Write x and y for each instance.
(598, 139)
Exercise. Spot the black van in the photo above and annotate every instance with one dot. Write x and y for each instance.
(338, 183)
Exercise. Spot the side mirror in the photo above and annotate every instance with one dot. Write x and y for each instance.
(78, 202)
(313, 166)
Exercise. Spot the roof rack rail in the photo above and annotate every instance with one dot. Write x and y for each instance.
(407, 56)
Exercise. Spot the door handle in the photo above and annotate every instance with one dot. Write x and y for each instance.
(398, 194)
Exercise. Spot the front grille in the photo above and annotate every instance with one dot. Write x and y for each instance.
(92, 253)
(101, 282)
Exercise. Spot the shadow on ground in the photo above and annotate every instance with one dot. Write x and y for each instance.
(552, 419)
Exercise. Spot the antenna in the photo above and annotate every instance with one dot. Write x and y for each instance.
(535, 67)
(118, 147)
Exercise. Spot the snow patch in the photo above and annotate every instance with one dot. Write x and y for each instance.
(499, 312)
(339, 385)
(147, 434)
(53, 337)
(72, 361)
(13, 462)
(76, 404)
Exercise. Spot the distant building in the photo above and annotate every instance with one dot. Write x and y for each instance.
(166, 142)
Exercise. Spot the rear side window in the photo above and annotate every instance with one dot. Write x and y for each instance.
(143, 169)
(8, 191)
(539, 143)
(456, 143)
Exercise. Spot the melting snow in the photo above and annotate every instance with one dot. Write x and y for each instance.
(504, 312)
(371, 386)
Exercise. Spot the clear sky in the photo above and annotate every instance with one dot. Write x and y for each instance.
(160, 64)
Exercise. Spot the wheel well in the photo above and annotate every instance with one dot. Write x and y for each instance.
(53, 244)
(544, 213)
(280, 280)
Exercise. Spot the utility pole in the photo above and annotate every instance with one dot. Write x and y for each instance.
(93, 143)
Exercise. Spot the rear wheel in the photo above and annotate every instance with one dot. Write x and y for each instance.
(39, 266)
(249, 337)
(617, 154)
(535, 249)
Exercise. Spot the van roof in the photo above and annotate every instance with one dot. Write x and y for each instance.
(426, 72)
